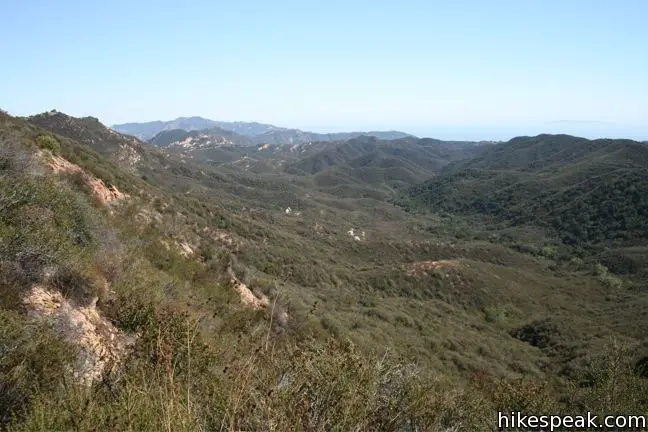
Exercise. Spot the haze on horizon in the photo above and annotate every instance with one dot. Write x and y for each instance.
(453, 70)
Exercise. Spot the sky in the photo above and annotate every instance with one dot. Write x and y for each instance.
(455, 69)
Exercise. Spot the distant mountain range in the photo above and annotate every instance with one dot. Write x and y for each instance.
(243, 133)
(146, 131)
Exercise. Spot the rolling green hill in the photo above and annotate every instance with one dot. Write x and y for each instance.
(370, 151)
(587, 191)
(368, 166)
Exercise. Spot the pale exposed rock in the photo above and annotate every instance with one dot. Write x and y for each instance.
(186, 250)
(201, 141)
(290, 211)
(59, 165)
(128, 157)
(355, 236)
(144, 215)
(256, 302)
(247, 296)
(102, 347)
(223, 237)
(106, 195)
(423, 267)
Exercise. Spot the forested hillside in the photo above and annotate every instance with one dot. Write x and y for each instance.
(586, 191)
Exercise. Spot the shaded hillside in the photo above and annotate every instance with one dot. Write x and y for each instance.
(296, 136)
(545, 152)
(370, 167)
(367, 151)
(587, 191)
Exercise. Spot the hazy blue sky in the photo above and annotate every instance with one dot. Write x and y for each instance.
(439, 68)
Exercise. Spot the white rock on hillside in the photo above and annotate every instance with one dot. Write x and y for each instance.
(356, 237)
(102, 346)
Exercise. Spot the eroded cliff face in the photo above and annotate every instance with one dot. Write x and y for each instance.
(106, 195)
(101, 346)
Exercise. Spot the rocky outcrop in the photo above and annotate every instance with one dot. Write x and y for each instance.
(247, 296)
(103, 193)
(101, 346)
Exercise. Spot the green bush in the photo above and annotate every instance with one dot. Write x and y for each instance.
(491, 315)
(33, 363)
(76, 285)
(48, 142)
(549, 252)
(606, 278)
(611, 384)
